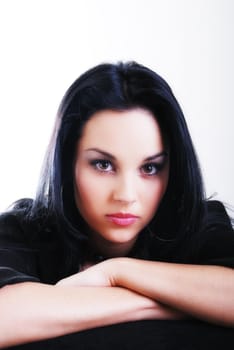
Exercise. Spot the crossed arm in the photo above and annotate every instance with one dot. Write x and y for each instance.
(116, 290)
(201, 291)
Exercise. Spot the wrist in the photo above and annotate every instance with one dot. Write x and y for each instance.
(117, 267)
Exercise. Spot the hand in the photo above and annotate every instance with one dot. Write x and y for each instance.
(99, 275)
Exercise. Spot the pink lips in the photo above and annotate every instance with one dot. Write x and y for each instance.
(122, 219)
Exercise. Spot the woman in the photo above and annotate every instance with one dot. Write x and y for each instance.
(121, 205)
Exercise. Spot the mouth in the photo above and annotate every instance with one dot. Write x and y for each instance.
(122, 219)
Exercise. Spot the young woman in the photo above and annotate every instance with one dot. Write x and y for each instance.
(120, 229)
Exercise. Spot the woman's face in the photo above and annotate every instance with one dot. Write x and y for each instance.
(121, 174)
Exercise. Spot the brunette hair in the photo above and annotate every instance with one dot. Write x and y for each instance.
(121, 86)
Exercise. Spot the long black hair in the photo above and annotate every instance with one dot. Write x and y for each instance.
(120, 86)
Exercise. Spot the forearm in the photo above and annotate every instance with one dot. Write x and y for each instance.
(33, 311)
(206, 292)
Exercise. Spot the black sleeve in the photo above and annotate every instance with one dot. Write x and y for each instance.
(18, 258)
(147, 335)
(214, 244)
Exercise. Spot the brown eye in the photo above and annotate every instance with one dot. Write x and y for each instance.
(102, 165)
(149, 169)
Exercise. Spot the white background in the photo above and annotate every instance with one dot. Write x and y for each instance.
(46, 44)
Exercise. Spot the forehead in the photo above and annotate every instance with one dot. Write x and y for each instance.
(120, 131)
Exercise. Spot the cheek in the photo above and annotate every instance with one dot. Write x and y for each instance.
(154, 194)
(82, 189)
(87, 191)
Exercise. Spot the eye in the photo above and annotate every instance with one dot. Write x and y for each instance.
(102, 165)
(150, 169)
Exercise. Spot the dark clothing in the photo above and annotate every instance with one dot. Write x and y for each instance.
(143, 335)
(30, 254)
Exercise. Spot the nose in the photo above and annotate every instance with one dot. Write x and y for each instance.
(125, 189)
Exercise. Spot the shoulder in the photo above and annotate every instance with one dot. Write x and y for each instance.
(30, 246)
(19, 225)
(12, 225)
(215, 216)
(214, 242)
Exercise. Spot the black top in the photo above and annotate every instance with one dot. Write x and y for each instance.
(30, 254)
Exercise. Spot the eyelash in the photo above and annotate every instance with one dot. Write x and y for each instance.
(97, 162)
(96, 165)
(157, 168)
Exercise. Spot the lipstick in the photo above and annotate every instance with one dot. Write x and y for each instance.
(122, 219)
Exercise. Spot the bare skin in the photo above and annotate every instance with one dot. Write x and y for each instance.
(43, 311)
(204, 292)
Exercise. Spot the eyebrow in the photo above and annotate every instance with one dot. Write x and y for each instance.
(106, 154)
(157, 155)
